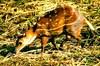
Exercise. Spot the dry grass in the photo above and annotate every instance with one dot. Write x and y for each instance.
(17, 16)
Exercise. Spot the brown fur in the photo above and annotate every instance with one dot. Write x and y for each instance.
(53, 23)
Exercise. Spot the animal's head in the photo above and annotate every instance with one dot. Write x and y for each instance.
(25, 39)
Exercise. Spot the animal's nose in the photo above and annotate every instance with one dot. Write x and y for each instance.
(18, 47)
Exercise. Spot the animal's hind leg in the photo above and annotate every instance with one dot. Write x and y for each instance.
(79, 40)
(78, 36)
(68, 38)
(44, 42)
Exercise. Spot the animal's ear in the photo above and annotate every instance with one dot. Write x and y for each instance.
(21, 35)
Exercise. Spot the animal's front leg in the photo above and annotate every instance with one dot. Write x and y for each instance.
(52, 40)
(44, 42)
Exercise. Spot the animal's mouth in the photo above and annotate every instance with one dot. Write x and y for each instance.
(24, 42)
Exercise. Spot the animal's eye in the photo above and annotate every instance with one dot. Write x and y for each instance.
(19, 43)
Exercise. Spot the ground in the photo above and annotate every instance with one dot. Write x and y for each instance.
(18, 16)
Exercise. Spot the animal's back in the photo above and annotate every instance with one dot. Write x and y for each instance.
(51, 22)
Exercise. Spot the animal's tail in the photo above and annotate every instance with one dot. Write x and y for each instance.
(90, 25)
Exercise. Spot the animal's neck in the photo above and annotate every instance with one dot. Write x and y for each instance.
(34, 27)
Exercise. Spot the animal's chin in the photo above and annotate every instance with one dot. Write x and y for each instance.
(25, 42)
